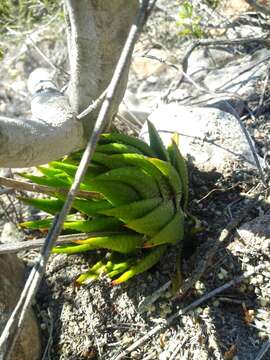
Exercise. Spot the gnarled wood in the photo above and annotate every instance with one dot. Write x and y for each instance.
(97, 30)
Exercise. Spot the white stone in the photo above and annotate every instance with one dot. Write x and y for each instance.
(209, 136)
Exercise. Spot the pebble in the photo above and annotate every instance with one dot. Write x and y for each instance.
(165, 355)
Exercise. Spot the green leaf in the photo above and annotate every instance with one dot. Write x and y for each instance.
(144, 163)
(37, 224)
(127, 140)
(156, 143)
(142, 265)
(172, 177)
(97, 224)
(154, 221)
(51, 205)
(134, 210)
(171, 233)
(116, 193)
(43, 180)
(90, 207)
(70, 170)
(179, 164)
(138, 179)
(123, 243)
(117, 148)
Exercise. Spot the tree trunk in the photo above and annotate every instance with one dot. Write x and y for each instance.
(96, 30)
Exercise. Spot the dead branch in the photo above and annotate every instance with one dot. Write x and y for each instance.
(43, 189)
(212, 42)
(38, 243)
(263, 9)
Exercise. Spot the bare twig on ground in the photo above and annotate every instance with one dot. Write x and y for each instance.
(176, 350)
(210, 42)
(265, 348)
(17, 318)
(46, 353)
(218, 190)
(263, 9)
(16, 247)
(191, 306)
(249, 141)
(43, 189)
(149, 300)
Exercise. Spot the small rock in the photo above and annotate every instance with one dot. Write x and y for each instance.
(28, 345)
(257, 233)
(209, 136)
(11, 233)
(5, 172)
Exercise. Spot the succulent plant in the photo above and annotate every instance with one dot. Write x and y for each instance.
(139, 196)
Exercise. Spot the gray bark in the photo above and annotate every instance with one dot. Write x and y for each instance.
(96, 30)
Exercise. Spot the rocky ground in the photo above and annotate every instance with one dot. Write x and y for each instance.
(100, 321)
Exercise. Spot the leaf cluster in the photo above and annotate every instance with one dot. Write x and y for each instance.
(24, 14)
(138, 205)
(188, 21)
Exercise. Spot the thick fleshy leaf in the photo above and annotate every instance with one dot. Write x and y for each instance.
(156, 143)
(127, 140)
(179, 164)
(122, 243)
(155, 220)
(37, 224)
(49, 171)
(134, 210)
(90, 207)
(149, 260)
(117, 148)
(116, 192)
(107, 160)
(143, 162)
(172, 177)
(70, 170)
(138, 179)
(97, 224)
(170, 234)
(47, 181)
(51, 205)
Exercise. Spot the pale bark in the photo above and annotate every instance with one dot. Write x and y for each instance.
(97, 30)
(53, 132)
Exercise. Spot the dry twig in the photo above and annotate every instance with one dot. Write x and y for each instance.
(265, 348)
(263, 9)
(18, 246)
(191, 306)
(205, 43)
(43, 189)
(17, 318)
